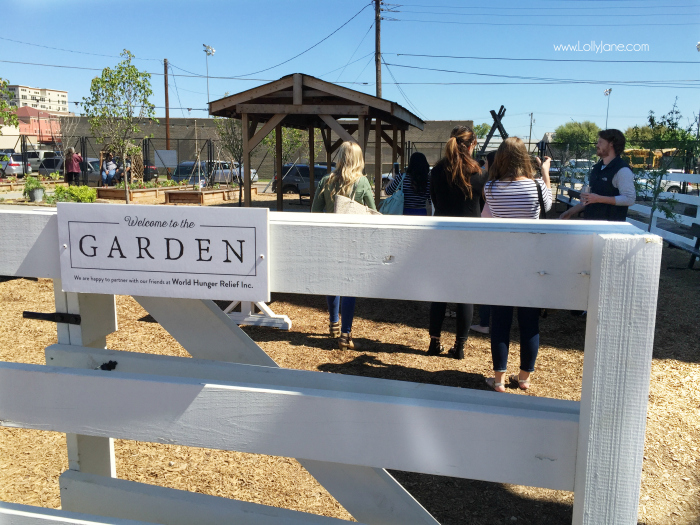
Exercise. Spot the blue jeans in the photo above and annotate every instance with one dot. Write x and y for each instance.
(108, 177)
(484, 314)
(347, 309)
(529, 324)
(415, 211)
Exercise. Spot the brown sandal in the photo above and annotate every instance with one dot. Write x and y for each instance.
(345, 342)
(334, 329)
(523, 384)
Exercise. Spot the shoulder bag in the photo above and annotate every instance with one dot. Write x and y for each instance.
(394, 204)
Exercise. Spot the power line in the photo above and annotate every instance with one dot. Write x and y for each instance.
(356, 60)
(177, 91)
(668, 82)
(152, 74)
(551, 59)
(73, 50)
(484, 23)
(309, 48)
(403, 94)
(541, 15)
(353, 53)
(529, 8)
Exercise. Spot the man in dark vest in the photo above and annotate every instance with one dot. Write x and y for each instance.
(611, 181)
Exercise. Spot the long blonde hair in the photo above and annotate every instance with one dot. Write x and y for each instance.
(351, 162)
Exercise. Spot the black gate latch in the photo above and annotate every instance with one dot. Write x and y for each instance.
(55, 317)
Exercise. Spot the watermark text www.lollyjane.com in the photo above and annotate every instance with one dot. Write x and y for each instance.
(600, 48)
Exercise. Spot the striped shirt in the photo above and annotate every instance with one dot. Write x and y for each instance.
(411, 199)
(517, 199)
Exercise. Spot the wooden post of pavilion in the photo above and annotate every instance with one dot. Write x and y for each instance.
(278, 166)
(246, 159)
(403, 150)
(377, 160)
(327, 140)
(394, 146)
(312, 161)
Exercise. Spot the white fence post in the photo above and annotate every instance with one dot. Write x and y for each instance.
(616, 372)
(94, 455)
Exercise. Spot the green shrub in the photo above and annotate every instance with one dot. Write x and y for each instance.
(54, 176)
(82, 194)
(72, 194)
(31, 183)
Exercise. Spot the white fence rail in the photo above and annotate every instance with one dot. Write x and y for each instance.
(347, 430)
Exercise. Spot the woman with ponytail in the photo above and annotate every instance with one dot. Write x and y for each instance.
(347, 180)
(456, 185)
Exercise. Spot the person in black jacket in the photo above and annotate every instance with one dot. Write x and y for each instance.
(456, 185)
(611, 181)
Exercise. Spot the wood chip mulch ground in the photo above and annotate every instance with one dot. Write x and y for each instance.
(393, 338)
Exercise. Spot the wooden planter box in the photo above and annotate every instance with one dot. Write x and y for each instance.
(11, 186)
(134, 195)
(53, 184)
(200, 197)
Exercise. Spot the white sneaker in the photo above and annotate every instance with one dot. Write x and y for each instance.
(479, 328)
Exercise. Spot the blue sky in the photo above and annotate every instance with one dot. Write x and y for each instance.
(255, 35)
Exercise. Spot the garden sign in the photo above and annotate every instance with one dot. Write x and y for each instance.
(163, 251)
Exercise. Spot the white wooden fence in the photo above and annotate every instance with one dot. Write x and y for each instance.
(347, 430)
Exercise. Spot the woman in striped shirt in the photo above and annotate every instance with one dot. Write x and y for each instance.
(416, 185)
(513, 192)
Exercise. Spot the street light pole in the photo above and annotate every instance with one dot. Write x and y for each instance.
(607, 94)
(209, 51)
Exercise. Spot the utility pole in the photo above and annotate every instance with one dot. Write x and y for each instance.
(378, 45)
(529, 141)
(167, 107)
(607, 94)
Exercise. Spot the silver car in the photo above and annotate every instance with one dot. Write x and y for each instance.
(12, 167)
(54, 164)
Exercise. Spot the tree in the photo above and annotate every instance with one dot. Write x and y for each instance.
(65, 133)
(481, 130)
(665, 132)
(293, 143)
(638, 136)
(578, 137)
(118, 100)
(8, 114)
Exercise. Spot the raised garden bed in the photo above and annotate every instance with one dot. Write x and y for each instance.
(202, 197)
(134, 195)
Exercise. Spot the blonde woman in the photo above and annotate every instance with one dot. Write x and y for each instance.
(346, 180)
(513, 192)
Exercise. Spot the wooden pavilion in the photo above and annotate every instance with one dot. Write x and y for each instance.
(306, 103)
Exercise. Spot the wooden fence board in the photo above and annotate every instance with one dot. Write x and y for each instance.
(534, 447)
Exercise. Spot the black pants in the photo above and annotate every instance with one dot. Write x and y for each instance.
(73, 178)
(464, 319)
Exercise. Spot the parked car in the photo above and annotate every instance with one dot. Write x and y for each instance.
(7, 151)
(12, 167)
(35, 157)
(295, 178)
(51, 165)
(555, 170)
(220, 172)
(645, 185)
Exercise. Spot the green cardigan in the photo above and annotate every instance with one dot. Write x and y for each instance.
(323, 202)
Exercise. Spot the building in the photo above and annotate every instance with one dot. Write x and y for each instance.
(41, 126)
(43, 99)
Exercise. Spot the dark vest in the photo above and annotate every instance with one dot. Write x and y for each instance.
(600, 181)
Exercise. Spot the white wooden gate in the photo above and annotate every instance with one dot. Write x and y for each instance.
(347, 430)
